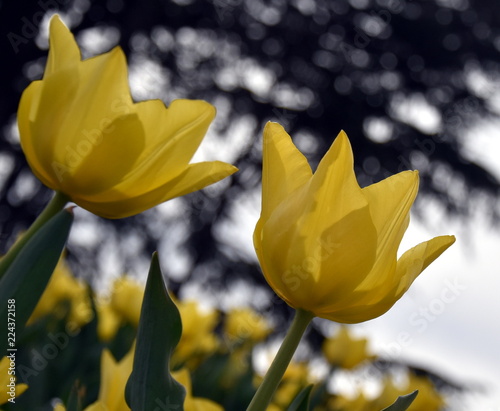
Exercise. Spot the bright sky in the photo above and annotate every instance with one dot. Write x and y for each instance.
(448, 321)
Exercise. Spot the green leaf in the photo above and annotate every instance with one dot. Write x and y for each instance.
(301, 401)
(319, 395)
(150, 386)
(28, 275)
(55, 205)
(403, 402)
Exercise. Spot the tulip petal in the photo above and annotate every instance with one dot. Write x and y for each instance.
(390, 202)
(26, 107)
(49, 109)
(120, 205)
(409, 266)
(317, 270)
(101, 96)
(338, 213)
(114, 377)
(284, 168)
(417, 259)
(97, 164)
(172, 133)
(63, 50)
(182, 377)
(334, 191)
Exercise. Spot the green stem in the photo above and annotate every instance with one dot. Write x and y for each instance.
(264, 394)
(52, 208)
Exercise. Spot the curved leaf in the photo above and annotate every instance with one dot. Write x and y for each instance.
(301, 401)
(403, 402)
(29, 273)
(150, 386)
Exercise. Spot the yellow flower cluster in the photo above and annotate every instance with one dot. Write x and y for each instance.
(232, 335)
(344, 351)
(428, 399)
(65, 296)
(122, 306)
(296, 378)
(244, 324)
(114, 376)
(198, 340)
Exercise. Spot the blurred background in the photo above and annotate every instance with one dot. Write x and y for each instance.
(415, 84)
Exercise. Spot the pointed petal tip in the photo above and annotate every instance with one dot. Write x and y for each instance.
(56, 23)
(55, 19)
(449, 239)
(231, 169)
(272, 131)
(343, 140)
(343, 135)
(273, 127)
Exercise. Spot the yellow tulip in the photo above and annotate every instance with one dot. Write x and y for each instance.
(65, 294)
(122, 306)
(83, 135)
(193, 403)
(326, 245)
(295, 379)
(245, 324)
(357, 403)
(126, 299)
(114, 376)
(108, 320)
(428, 398)
(198, 338)
(344, 351)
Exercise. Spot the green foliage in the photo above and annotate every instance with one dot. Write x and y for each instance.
(402, 403)
(29, 273)
(150, 385)
(301, 401)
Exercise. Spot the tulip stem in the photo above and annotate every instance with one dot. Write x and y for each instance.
(264, 394)
(55, 205)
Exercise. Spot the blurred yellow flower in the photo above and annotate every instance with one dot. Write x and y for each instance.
(326, 245)
(8, 381)
(198, 338)
(114, 376)
(428, 398)
(357, 403)
(108, 320)
(122, 306)
(84, 136)
(243, 329)
(126, 299)
(65, 295)
(342, 350)
(245, 324)
(190, 403)
(295, 379)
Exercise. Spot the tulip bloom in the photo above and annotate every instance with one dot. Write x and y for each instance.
(84, 136)
(326, 245)
(345, 351)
